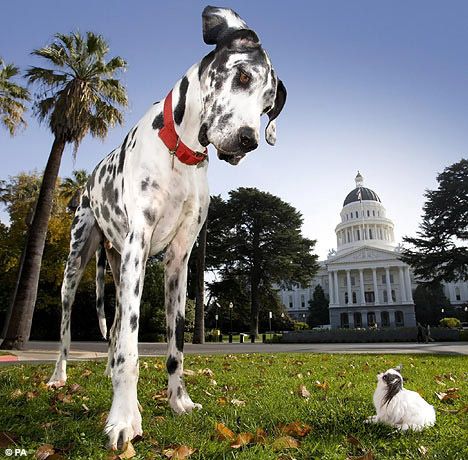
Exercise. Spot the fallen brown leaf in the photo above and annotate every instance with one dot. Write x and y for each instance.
(16, 394)
(260, 436)
(207, 372)
(354, 441)
(422, 450)
(189, 373)
(224, 433)
(159, 418)
(6, 439)
(322, 386)
(128, 451)
(45, 451)
(285, 442)
(303, 392)
(86, 373)
(297, 429)
(242, 439)
(222, 400)
(74, 388)
(179, 452)
(237, 402)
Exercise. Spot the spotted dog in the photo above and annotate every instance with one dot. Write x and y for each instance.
(151, 194)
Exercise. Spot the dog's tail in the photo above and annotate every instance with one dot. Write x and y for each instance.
(100, 281)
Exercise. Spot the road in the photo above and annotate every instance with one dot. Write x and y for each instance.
(47, 351)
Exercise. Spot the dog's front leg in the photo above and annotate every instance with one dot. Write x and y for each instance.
(176, 261)
(124, 421)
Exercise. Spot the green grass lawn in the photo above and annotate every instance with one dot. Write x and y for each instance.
(245, 393)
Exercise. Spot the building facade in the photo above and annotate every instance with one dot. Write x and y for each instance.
(366, 282)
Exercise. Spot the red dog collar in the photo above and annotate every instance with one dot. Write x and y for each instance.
(172, 141)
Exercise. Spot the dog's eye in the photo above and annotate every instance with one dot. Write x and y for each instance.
(244, 78)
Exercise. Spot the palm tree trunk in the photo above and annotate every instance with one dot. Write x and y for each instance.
(199, 327)
(19, 327)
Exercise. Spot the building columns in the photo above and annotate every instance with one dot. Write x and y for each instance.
(330, 289)
(389, 286)
(361, 281)
(348, 284)
(404, 298)
(376, 289)
(337, 291)
(409, 293)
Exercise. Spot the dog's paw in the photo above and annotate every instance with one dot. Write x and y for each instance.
(120, 430)
(183, 404)
(57, 381)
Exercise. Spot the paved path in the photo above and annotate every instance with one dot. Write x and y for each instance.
(47, 351)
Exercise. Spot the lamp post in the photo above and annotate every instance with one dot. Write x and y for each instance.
(217, 316)
(270, 315)
(231, 306)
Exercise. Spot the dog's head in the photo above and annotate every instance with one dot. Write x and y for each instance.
(391, 382)
(238, 85)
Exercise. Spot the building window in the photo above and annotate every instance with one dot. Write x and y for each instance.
(357, 320)
(349, 237)
(457, 293)
(368, 213)
(353, 281)
(399, 319)
(344, 320)
(393, 295)
(357, 215)
(354, 297)
(385, 317)
(302, 301)
(373, 213)
(371, 319)
(370, 234)
(346, 297)
(385, 296)
(291, 304)
(369, 297)
(358, 234)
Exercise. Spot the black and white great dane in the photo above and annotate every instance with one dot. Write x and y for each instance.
(151, 194)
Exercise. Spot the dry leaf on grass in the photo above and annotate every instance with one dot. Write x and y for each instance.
(189, 373)
(16, 394)
(6, 439)
(242, 439)
(179, 452)
(86, 373)
(422, 450)
(322, 386)
(222, 401)
(297, 429)
(45, 451)
(74, 388)
(224, 433)
(285, 442)
(207, 372)
(260, 436)
(303, 392)
(237, 402)
(448, 394)
(354, 441)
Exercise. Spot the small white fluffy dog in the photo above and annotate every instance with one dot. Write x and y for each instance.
(398, 407)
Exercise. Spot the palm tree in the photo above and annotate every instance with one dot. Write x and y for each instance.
(80, 95)
(12, 98)
(72, 187)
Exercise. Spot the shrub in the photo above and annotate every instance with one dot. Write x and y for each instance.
(452, 323)
(300, 326)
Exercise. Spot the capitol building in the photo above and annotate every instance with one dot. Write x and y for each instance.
(366, 282)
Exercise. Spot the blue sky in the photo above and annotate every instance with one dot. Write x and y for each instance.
(372, 85)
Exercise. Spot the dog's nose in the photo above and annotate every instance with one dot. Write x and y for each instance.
(247, 139)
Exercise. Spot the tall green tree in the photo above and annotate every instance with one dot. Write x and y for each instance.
(80, 95)
(12, 98)
(429, 300)
(318, 307)
(440, 250)
(71, 188)
(257, 236)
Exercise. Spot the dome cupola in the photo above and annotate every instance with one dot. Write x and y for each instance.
(363, 220)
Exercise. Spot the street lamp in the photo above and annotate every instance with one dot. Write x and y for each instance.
(270, 315)
(231, 306)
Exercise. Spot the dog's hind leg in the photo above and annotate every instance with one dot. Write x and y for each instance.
(114, 261)
(85, 238)
(100, 282)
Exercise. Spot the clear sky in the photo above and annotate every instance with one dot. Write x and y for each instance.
(377, 86)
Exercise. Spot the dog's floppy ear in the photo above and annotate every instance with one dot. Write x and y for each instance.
(270, 130)
(219, 22)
